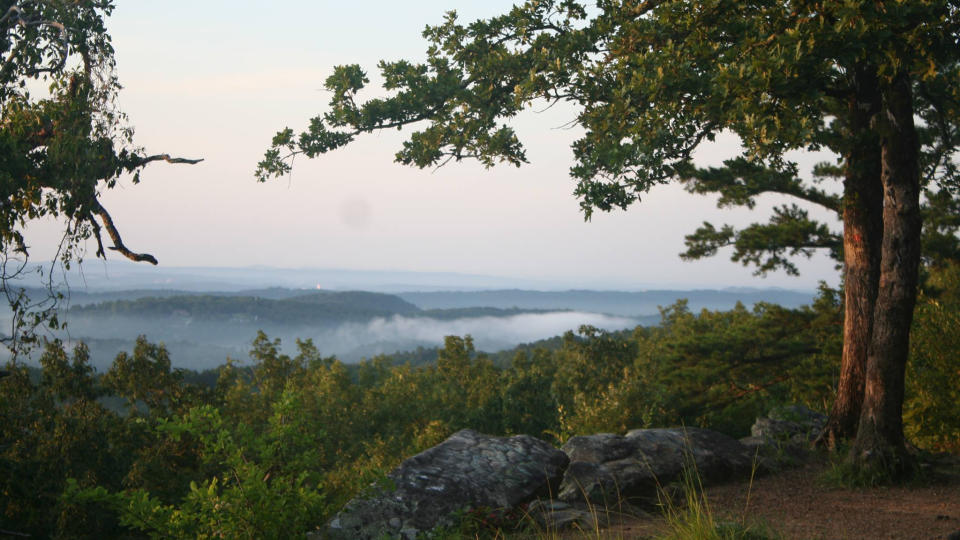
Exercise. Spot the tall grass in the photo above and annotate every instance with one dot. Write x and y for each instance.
(693, 518)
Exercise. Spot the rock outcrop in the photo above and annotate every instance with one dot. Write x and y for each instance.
(565, 487)
(467, 470)
(795, 424)
(783, 438)
(607, 469)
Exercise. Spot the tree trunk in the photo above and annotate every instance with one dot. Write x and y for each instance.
(862, 236)
(879, 444)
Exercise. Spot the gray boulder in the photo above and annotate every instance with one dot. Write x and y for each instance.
(467, 470)
(607, 468)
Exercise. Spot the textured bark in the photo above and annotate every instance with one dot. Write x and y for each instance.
(862, 236)
(880, 439)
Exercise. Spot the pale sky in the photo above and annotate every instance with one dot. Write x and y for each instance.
(216, 79)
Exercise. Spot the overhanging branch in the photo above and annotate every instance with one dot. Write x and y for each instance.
(140, 162)
(118, 244)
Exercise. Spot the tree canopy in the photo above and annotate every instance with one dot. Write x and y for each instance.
(652, 81)
(62, 138)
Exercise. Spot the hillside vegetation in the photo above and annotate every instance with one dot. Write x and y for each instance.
(273, 449)
(321, 308)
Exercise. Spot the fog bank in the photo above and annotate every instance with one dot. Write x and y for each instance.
(489, 333)
(202, 345)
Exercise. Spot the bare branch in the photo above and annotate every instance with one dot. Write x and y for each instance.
(164, 157)
(118, 245)
(96, 235)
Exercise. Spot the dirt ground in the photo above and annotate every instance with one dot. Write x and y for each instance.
(796, 505)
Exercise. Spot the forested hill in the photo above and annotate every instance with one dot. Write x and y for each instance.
(612, 302)
(462, 303)
(320, 307)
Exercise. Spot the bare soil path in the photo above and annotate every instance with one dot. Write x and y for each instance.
(796, 505)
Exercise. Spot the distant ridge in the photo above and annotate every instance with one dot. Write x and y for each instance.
(611, 302)
(372, 301)
(322, 308)
(115, 275)
(630, 303)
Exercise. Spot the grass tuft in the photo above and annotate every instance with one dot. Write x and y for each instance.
(693, 519)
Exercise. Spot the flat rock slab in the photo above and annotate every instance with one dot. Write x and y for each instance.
(467, 470)
(607, 468)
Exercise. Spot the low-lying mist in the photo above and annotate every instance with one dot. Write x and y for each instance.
(201, 345)
(489, 333)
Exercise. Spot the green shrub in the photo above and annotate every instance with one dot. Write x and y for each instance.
(931, 411)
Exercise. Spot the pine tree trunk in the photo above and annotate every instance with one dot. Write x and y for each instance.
(880, 443)
(862, 236)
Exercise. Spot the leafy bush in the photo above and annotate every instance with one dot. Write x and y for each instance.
(931, 410)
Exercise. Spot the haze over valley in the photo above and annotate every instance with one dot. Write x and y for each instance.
(202, 327)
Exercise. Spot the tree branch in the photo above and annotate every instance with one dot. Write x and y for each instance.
(139, 162)
(118, 244)
(95, 225)
(739, 181)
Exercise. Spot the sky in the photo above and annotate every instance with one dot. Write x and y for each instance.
(216, 79)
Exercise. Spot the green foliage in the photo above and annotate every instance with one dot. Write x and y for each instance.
(278, 445)
(145, 378)
(527, 400)
(50, 433)
(255, 494)
(66, 380)
(931, 412)
(718, 366)
(597, 388)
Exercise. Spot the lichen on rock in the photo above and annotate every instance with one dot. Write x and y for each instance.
(467, 470)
